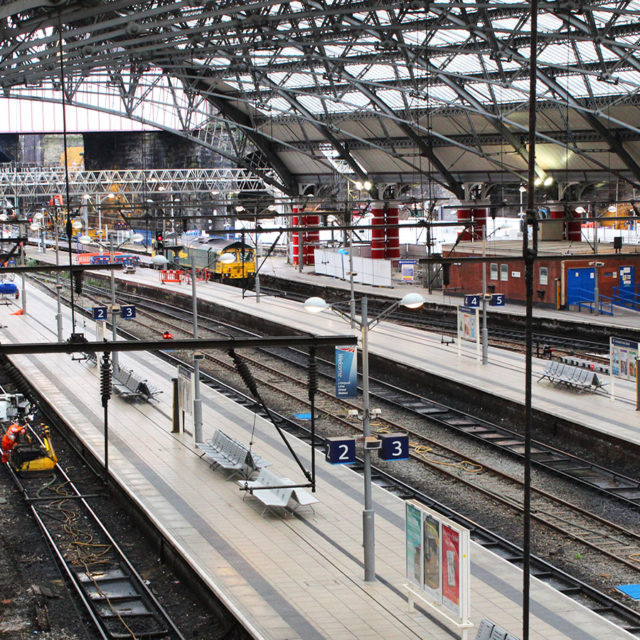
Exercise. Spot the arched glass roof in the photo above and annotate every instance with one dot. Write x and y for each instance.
(401, 90)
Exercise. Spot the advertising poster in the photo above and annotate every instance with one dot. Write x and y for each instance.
(346, 362)
(431, 546)
(467, 325)
(451, 569)
(623, 354)
(413, 539)
(438, 562)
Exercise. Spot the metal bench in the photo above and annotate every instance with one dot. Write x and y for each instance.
(572, 377)
(131, 387)
(229, 454)
(273, 492)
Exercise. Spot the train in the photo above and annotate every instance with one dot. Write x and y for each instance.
(207, 253)
(105, 258)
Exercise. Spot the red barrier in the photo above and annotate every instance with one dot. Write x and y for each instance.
(171, 275)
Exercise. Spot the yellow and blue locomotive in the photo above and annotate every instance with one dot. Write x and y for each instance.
(230, 261)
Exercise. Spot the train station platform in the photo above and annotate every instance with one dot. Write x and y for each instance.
(502, 378)
(279, 268)
(283, 577)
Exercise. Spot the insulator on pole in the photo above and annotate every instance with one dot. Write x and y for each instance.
(105, 378)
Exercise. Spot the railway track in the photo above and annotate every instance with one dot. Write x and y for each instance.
(595, 477)
(598, 534)
(608, 538)
(115, 597)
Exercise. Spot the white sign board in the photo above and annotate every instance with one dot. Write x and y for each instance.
(438, 563)
(469, 328)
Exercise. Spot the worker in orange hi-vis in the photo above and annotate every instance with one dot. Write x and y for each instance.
(16, 434)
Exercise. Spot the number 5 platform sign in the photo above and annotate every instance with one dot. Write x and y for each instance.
(346, 372)
(438, 564)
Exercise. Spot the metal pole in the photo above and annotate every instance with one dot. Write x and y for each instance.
(529, 258)
(596, 291)
(485, 331)
(58, 288)
(257, 271)
(114, 315)
(368, 530)
(24, 275)
(197, 401)
(352, 295)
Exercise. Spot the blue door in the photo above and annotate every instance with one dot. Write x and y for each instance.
(580, 285)
(626, 293)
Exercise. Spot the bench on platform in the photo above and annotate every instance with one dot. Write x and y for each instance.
(273, 492)
(131, 387)
(570, 376)
(231, 455)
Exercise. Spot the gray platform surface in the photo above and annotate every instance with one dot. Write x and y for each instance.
(285, 578)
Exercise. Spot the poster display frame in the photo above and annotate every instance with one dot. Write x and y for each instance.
(441, 581)
(468, 328)
(623, 358)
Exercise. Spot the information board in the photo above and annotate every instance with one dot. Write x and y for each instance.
(185, 390)
(346, 362)
(623, 355)
(469, 327)
(437, 559)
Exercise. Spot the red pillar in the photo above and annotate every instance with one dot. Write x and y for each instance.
(556, 212)
(393, 233)
(480, 220)
(311, 239)
(464, 216)
(378, 236)
(296, 238)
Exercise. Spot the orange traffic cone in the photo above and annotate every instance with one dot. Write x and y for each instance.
(19, 312)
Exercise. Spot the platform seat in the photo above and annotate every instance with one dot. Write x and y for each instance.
(284, 497)
(131, 387)
(572, 377)
(229, 454)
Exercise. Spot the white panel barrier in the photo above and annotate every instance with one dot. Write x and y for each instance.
(367, 271)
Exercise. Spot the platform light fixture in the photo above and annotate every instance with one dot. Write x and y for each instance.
(316, 305)
(548, 181)
(580, 210)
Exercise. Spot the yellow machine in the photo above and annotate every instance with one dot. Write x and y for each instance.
(36, 454)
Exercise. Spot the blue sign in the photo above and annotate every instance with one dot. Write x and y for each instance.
(128, 311)
(99, 313)
(346, 372)
(497, 300)
(407, 262)
(395, 446)
(340, 450)
(472, 301)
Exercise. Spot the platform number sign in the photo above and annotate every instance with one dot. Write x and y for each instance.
(99, 313)
(395, 446)
(128, 311)
(497, 300)
(340, 450)
(472, 301)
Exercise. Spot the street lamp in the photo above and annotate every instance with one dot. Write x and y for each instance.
(316, 305)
